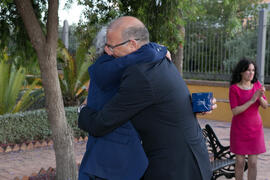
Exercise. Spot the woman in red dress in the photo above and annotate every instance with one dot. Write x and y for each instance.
(246, 137)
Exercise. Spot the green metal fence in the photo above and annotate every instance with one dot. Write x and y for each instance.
(210, 53)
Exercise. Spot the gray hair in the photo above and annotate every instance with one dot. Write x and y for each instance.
(136, 32)
(100, 41)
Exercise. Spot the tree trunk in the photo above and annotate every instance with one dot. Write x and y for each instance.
(179, 55)
(45, 46)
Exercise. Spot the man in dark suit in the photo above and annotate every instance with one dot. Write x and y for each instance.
(157, 101)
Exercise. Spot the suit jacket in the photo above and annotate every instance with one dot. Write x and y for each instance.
(157, 101)
(109, 156)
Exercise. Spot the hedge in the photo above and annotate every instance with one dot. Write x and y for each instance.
(33, 125)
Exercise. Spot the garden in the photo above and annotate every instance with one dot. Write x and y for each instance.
(42, 81)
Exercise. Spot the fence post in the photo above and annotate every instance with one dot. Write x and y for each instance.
(261, 44)
(65, 34)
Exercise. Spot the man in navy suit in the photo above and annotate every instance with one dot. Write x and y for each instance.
(156, 99)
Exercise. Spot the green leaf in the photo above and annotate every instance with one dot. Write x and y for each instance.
(27, 99)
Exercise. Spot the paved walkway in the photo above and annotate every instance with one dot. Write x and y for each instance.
(24, 163)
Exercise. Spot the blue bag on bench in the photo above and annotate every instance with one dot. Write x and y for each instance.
(201, 102)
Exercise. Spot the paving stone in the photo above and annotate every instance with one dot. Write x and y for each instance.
(44, 143)
(8, 149)
(23, 147)
(50, 143)
(30, 146)
(16, 147)
(37, 144)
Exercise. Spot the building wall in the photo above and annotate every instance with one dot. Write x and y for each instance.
(265, 1)
(221, 93)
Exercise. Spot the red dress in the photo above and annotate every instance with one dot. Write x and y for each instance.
(246, 136)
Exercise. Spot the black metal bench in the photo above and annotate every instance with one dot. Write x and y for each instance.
(223, 161)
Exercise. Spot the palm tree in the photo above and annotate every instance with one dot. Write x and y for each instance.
(15, 95)
(74, 77)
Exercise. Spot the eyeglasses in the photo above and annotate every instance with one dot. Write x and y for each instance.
(120, 44)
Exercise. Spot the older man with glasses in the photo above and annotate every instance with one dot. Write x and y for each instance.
(155, 98)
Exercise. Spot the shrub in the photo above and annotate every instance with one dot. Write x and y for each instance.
(33, 125)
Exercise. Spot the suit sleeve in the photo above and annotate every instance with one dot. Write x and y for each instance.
(134, 95)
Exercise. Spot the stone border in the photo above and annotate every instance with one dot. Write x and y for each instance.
(33, 145)
(42, 174)
(48, 174)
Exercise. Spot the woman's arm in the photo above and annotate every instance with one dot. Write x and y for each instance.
(263, 101)
(239, 109)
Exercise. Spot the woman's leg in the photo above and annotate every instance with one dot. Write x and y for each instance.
(239, 166)
(252, 167)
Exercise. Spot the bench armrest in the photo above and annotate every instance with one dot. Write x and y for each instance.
(214, 146)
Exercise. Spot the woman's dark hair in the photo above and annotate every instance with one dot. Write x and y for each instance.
(242, 66)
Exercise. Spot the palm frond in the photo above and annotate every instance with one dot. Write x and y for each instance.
(82, 76)
(27, 98)
(4, 77)
(14, 86)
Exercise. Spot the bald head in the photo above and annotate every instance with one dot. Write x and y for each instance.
(125, 21)
(125, 35)
(130, 28)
